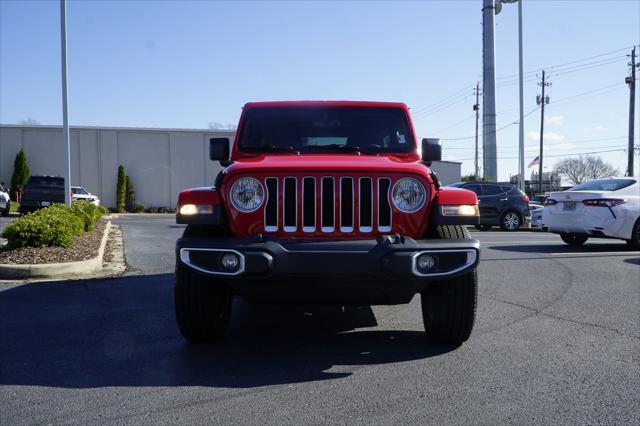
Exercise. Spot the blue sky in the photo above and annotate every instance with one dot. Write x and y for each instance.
(186, 64)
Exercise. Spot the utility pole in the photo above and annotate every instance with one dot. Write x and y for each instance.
(489, 150)
(631, 81)
(65, 105)
(476, 108)
(521, 180)
(541, 100)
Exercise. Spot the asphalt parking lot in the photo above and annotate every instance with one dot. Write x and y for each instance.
(556, 341)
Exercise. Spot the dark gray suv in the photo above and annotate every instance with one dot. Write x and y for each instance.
(500, 204)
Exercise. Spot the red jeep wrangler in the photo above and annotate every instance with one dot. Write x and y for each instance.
(326, 203)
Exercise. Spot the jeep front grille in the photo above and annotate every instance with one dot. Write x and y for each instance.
(327, 204)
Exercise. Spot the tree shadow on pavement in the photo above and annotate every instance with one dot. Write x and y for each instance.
(122, 332)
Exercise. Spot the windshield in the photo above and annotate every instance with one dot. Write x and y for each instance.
(604, 185)
(81, 191)
(326, 129)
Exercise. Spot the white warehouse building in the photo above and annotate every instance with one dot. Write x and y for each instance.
(160, 162)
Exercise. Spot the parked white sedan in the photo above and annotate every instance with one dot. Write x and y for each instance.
(78, 193)
(5, 202)
(603, 208)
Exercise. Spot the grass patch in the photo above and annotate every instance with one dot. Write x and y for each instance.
(14, 207)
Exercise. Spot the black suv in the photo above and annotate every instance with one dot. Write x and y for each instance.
(40, 192)
(500, 204)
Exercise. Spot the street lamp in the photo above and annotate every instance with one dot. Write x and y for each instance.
(521, 184)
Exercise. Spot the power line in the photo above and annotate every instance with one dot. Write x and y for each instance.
(508, 77)
(583, 141)
(497, 130)
(620, 148)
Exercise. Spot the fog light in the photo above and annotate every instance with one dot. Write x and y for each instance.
(425, 263)
(230, 261)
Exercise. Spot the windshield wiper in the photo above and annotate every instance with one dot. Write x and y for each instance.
(338, 147)
(272, 148)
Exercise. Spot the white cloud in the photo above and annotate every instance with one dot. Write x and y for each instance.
(595, 129)
(556, 120)
(548, 136)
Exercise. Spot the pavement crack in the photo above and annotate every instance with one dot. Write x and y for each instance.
(545, 314)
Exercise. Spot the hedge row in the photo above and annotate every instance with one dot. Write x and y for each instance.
(54, 226)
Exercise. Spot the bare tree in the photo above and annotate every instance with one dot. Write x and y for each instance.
(29, 122)
(585, 168)
(214, 125)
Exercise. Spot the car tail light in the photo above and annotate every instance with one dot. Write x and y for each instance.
(550, 202)
(525, 199)
(603, 202)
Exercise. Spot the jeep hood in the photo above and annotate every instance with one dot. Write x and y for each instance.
(329, 163)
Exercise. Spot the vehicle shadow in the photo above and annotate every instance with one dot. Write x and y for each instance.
(605, 247)
(122, 332)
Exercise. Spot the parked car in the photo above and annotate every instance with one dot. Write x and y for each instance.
(326, 203)
(538, 199)
(603, 208)
(40, 192)
(536, 215)
(79, 193)
(501, 204)
(5, 201)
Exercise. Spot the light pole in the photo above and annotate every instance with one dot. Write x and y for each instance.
(521, 183)
(489, 149)
(65, 106)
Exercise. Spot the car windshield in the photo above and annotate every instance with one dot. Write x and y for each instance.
(80, 191)
(604, 185)
(326, 129)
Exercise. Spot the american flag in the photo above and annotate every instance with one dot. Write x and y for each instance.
(534, 162)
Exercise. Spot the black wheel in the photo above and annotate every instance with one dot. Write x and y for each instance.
(510, 221)
(634, 241)
(7, 209)
(449, 306)
(574, 240)
(449, 309)
(483, 227)
(203, 305)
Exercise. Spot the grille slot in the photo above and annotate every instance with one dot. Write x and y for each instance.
(271, 208)
(384, 208)
(366, 204)
(290, 204)
(328, 206)
(308, 204)
(346, 204)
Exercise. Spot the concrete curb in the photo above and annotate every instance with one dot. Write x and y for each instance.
(48, 270)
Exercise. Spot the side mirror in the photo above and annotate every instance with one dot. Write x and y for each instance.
(431, 150)
(219, 150)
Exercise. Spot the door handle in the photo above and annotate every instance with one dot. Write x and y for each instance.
(503, 199)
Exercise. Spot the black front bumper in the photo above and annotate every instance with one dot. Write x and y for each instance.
(376, 271)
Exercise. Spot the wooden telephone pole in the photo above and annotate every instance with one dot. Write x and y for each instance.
(542, 100)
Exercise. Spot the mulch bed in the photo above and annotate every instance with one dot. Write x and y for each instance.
(85, 247)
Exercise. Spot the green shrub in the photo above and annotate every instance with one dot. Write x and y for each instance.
(121, 188)
(130, 194)
(89, 213)
(139, 208)
(20, 174)
(54, 226)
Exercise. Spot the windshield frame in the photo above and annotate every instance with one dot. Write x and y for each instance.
(240, 151)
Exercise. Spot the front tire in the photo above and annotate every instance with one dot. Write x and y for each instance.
(634, 241)
(574, 240)
(203, 305)
(7, 209)
(449, 307)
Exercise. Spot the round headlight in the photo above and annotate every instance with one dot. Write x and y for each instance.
(247, 194)
(409, 195)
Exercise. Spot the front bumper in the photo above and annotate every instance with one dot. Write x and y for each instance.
(376, 271)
